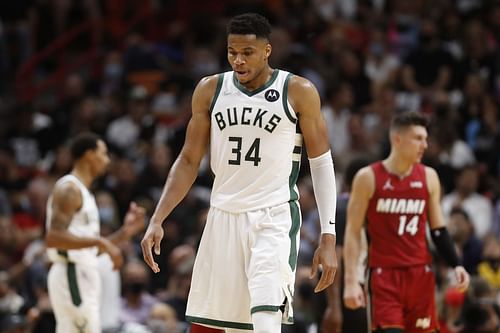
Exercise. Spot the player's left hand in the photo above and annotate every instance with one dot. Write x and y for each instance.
(462, 277)
(134, 221)
(326, 257)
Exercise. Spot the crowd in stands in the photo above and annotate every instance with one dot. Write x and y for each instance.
(369, 59)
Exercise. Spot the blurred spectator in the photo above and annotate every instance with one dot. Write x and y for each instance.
(465, 196)
(427, 69)
(337, 112)
(310, 229)
(136, 91)
(478, 58)
(16, 34)
(489, 268)
(136, 301)
(352, 72)
(125, 132)
(480, 313)
(10, 301)
(163, 319)
(181, 261)
(381, 67)
(462, 232)
(14, 323)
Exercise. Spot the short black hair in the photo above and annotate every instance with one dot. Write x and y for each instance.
(82, 143)
(408, 118)
(249, 24)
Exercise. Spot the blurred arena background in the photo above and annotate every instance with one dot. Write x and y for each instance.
(125, 69)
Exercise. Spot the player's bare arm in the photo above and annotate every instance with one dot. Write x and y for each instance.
(439, 234)
(185, 168)
(66, 201)
(436, 219)
(305, 100)
(363, 187)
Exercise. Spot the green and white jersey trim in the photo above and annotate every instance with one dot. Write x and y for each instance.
(85, 223)
(254, 144)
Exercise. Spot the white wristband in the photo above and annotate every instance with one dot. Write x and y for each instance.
(325, 191)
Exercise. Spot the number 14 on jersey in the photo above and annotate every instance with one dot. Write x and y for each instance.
(410, 227)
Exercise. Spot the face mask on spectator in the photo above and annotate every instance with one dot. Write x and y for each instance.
(113, 71)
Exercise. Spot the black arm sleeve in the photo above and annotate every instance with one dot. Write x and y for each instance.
(445, 246)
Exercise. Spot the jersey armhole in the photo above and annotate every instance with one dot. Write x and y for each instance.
(220, 79)
(285, 100)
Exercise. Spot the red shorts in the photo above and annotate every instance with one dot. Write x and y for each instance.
(403, 298)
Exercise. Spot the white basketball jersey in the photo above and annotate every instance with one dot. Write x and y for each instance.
(255, 144)
(85, 223)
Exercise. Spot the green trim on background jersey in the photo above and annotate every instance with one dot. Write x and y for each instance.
(292, 180)
(250, 93)
(294, 229)
(220, 79)
(261, 308)
(284, 99)
(73, 284)
(219, 323)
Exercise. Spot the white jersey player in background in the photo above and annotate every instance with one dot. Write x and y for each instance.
(73, 240)
(255, 119)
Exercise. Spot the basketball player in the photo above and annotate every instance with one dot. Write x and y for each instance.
(255, 119)
(73, 241)
(397, 196)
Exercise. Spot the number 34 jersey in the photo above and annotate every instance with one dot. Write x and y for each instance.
(255, 147)
(396, 219)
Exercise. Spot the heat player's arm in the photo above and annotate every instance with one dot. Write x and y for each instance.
(439, 233)
(363, 187)
(66, 201)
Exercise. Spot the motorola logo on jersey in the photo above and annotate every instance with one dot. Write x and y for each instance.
(272, 95)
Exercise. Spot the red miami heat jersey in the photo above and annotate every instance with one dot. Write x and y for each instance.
(396, 219)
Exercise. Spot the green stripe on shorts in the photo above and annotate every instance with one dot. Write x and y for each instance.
(261, 308)
(73, 284)
(294, 229)
(219, 323)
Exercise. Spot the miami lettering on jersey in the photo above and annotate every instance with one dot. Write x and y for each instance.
(247, 116)
(400, 206)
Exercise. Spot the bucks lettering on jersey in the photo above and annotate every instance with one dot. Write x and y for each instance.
(254, 144)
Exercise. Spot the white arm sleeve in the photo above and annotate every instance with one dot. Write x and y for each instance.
(325, 191)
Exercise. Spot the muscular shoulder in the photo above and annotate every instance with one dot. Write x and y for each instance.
(205, 91)
(67, 196)
(432, 179)
(302, 94)
(364, 181)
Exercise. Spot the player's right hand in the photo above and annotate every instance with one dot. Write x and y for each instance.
(152, 238)
(114, 252)
(354, 297)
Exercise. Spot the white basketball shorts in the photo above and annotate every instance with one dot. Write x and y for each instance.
(245, 263)
(74, 292)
